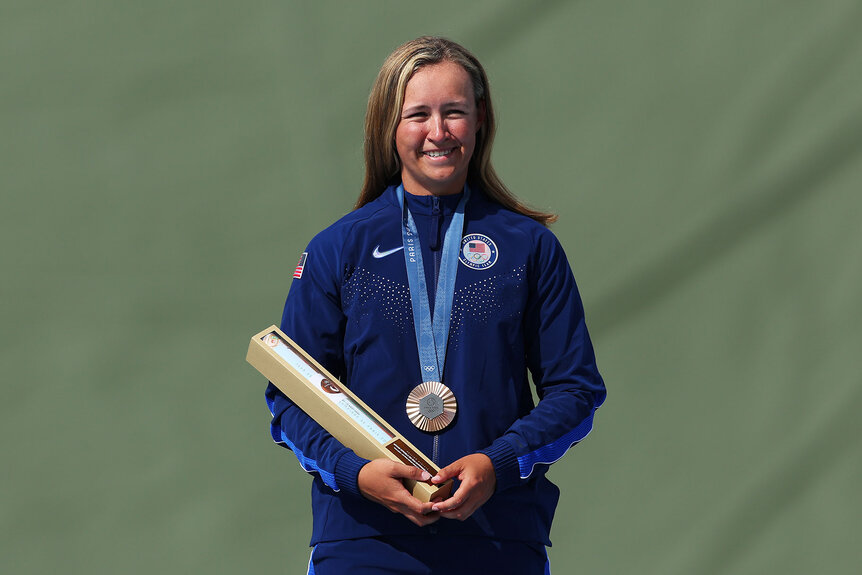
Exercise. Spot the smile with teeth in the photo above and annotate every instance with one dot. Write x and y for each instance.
(438, 153)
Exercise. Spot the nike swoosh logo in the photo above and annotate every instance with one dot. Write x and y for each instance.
(378, 254)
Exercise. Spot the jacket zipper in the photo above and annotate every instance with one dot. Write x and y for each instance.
(435, 229)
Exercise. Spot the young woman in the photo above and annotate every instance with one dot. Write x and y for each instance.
(431, 301)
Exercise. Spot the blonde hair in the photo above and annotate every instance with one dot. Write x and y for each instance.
(382, 165)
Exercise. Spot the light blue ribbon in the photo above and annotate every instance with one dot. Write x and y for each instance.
(432, 336)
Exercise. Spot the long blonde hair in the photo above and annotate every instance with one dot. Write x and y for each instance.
(382, 165)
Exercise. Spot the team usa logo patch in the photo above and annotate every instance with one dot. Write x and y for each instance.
(478, 251)
(297, 273)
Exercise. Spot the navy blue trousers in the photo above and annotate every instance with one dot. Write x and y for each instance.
(419, 555)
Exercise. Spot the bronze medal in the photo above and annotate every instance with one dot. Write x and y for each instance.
(431, 406)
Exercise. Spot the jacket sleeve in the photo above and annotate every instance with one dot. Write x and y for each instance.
(313, 318)
(560, 358)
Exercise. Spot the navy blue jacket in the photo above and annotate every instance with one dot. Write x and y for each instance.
(516, 308)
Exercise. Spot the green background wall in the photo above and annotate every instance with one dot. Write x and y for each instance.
(164, 163)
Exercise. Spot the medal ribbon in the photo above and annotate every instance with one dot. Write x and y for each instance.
(432, 336)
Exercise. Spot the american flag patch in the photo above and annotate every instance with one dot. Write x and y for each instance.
(297, 273)
(477, 247)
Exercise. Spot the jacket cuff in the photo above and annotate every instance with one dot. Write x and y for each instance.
(347, 471)
(505, 462)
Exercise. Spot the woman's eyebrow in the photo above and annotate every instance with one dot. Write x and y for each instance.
(450, 104)
(414, 108)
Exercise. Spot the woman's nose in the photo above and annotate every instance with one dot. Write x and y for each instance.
(438, 128)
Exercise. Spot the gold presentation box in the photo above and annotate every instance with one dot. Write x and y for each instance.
(336, 408)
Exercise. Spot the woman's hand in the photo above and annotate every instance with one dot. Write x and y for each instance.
(478, 481)
(381, 481)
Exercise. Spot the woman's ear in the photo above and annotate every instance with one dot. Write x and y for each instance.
(480, 114)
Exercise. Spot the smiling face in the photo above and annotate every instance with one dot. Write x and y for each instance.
(436, 134)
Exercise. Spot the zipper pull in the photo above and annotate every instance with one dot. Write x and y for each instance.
(434, 244)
